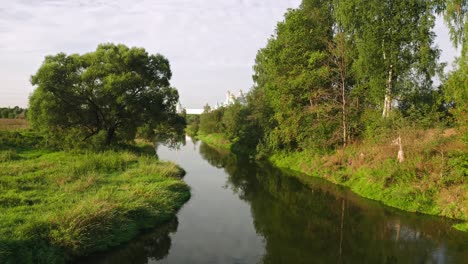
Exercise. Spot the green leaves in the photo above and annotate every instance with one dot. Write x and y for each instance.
(394, 39)
(456, 17)
(293, 75)
(113, 90)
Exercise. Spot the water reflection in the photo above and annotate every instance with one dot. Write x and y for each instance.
(247, 212)
(149, 247)
(324, 223)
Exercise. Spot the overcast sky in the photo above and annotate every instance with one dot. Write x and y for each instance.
(211, 44)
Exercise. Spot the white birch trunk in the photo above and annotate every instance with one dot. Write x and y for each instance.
(345, 128)
(388, 94)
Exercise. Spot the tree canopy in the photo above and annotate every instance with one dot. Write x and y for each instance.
(105, 96)
(456, 17)
(337, 71)
(12, 112)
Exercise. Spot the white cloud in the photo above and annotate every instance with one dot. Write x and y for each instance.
(203, 39)
(211, 44)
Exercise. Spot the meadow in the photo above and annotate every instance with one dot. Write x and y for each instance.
(59, 205)
(13, 123)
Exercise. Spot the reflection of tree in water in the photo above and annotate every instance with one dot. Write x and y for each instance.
(195, 141)
(218, 158)
(174, 142)
(152, 246)
(323, 223)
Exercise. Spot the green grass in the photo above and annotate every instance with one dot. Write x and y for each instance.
(216, 140)
(462, 226)
(59, 205)
(431, 180)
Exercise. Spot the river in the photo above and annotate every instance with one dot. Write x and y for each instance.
(247, 212)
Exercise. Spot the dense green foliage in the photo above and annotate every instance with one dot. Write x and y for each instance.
(328, 78)
(104, 97)
(456, 85)
(293, 76)
(59, 205)
(12, 112)
(193, 124)
(340, 80)
(228, 127)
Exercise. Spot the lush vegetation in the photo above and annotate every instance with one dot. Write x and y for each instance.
(344, 88)
(13, 123)
(104, 97)
(216, 139)
(13, 112)
(77, 182)
(193, 125)
(57, 205)
(432, 179)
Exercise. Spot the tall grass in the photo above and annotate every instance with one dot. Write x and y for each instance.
(431, 180)
(59, 205)
(13, 124)
(216, 139)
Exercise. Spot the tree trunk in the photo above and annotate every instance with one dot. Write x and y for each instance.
(109, 136)
(343, 97)
(388, 94)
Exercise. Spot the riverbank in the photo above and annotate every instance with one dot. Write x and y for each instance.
(217, 140)
(58, 205)
(431, 180)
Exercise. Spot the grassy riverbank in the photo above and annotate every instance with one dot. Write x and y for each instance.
(57, 205)
(432, 179)
(216, 140)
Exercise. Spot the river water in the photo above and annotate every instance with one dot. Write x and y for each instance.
(246, 212)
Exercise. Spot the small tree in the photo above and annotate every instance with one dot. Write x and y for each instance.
(104, 96)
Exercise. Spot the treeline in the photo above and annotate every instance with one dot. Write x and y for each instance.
(335, 72)
(233, 122)
(13, 112)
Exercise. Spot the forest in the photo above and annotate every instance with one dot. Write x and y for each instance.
(353, 91)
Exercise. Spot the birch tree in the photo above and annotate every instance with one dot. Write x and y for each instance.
(456, 86)
(394, 39)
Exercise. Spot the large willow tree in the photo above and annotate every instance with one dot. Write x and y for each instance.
(103, 96)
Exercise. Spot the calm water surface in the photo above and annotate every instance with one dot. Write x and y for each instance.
(245, 212)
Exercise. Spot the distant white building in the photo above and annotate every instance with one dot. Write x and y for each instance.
(194, 111)
(231, 98)
(189, 111)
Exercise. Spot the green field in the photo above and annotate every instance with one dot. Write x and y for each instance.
(59, 205)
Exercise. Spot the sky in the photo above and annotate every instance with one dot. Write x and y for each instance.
(211, 44)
